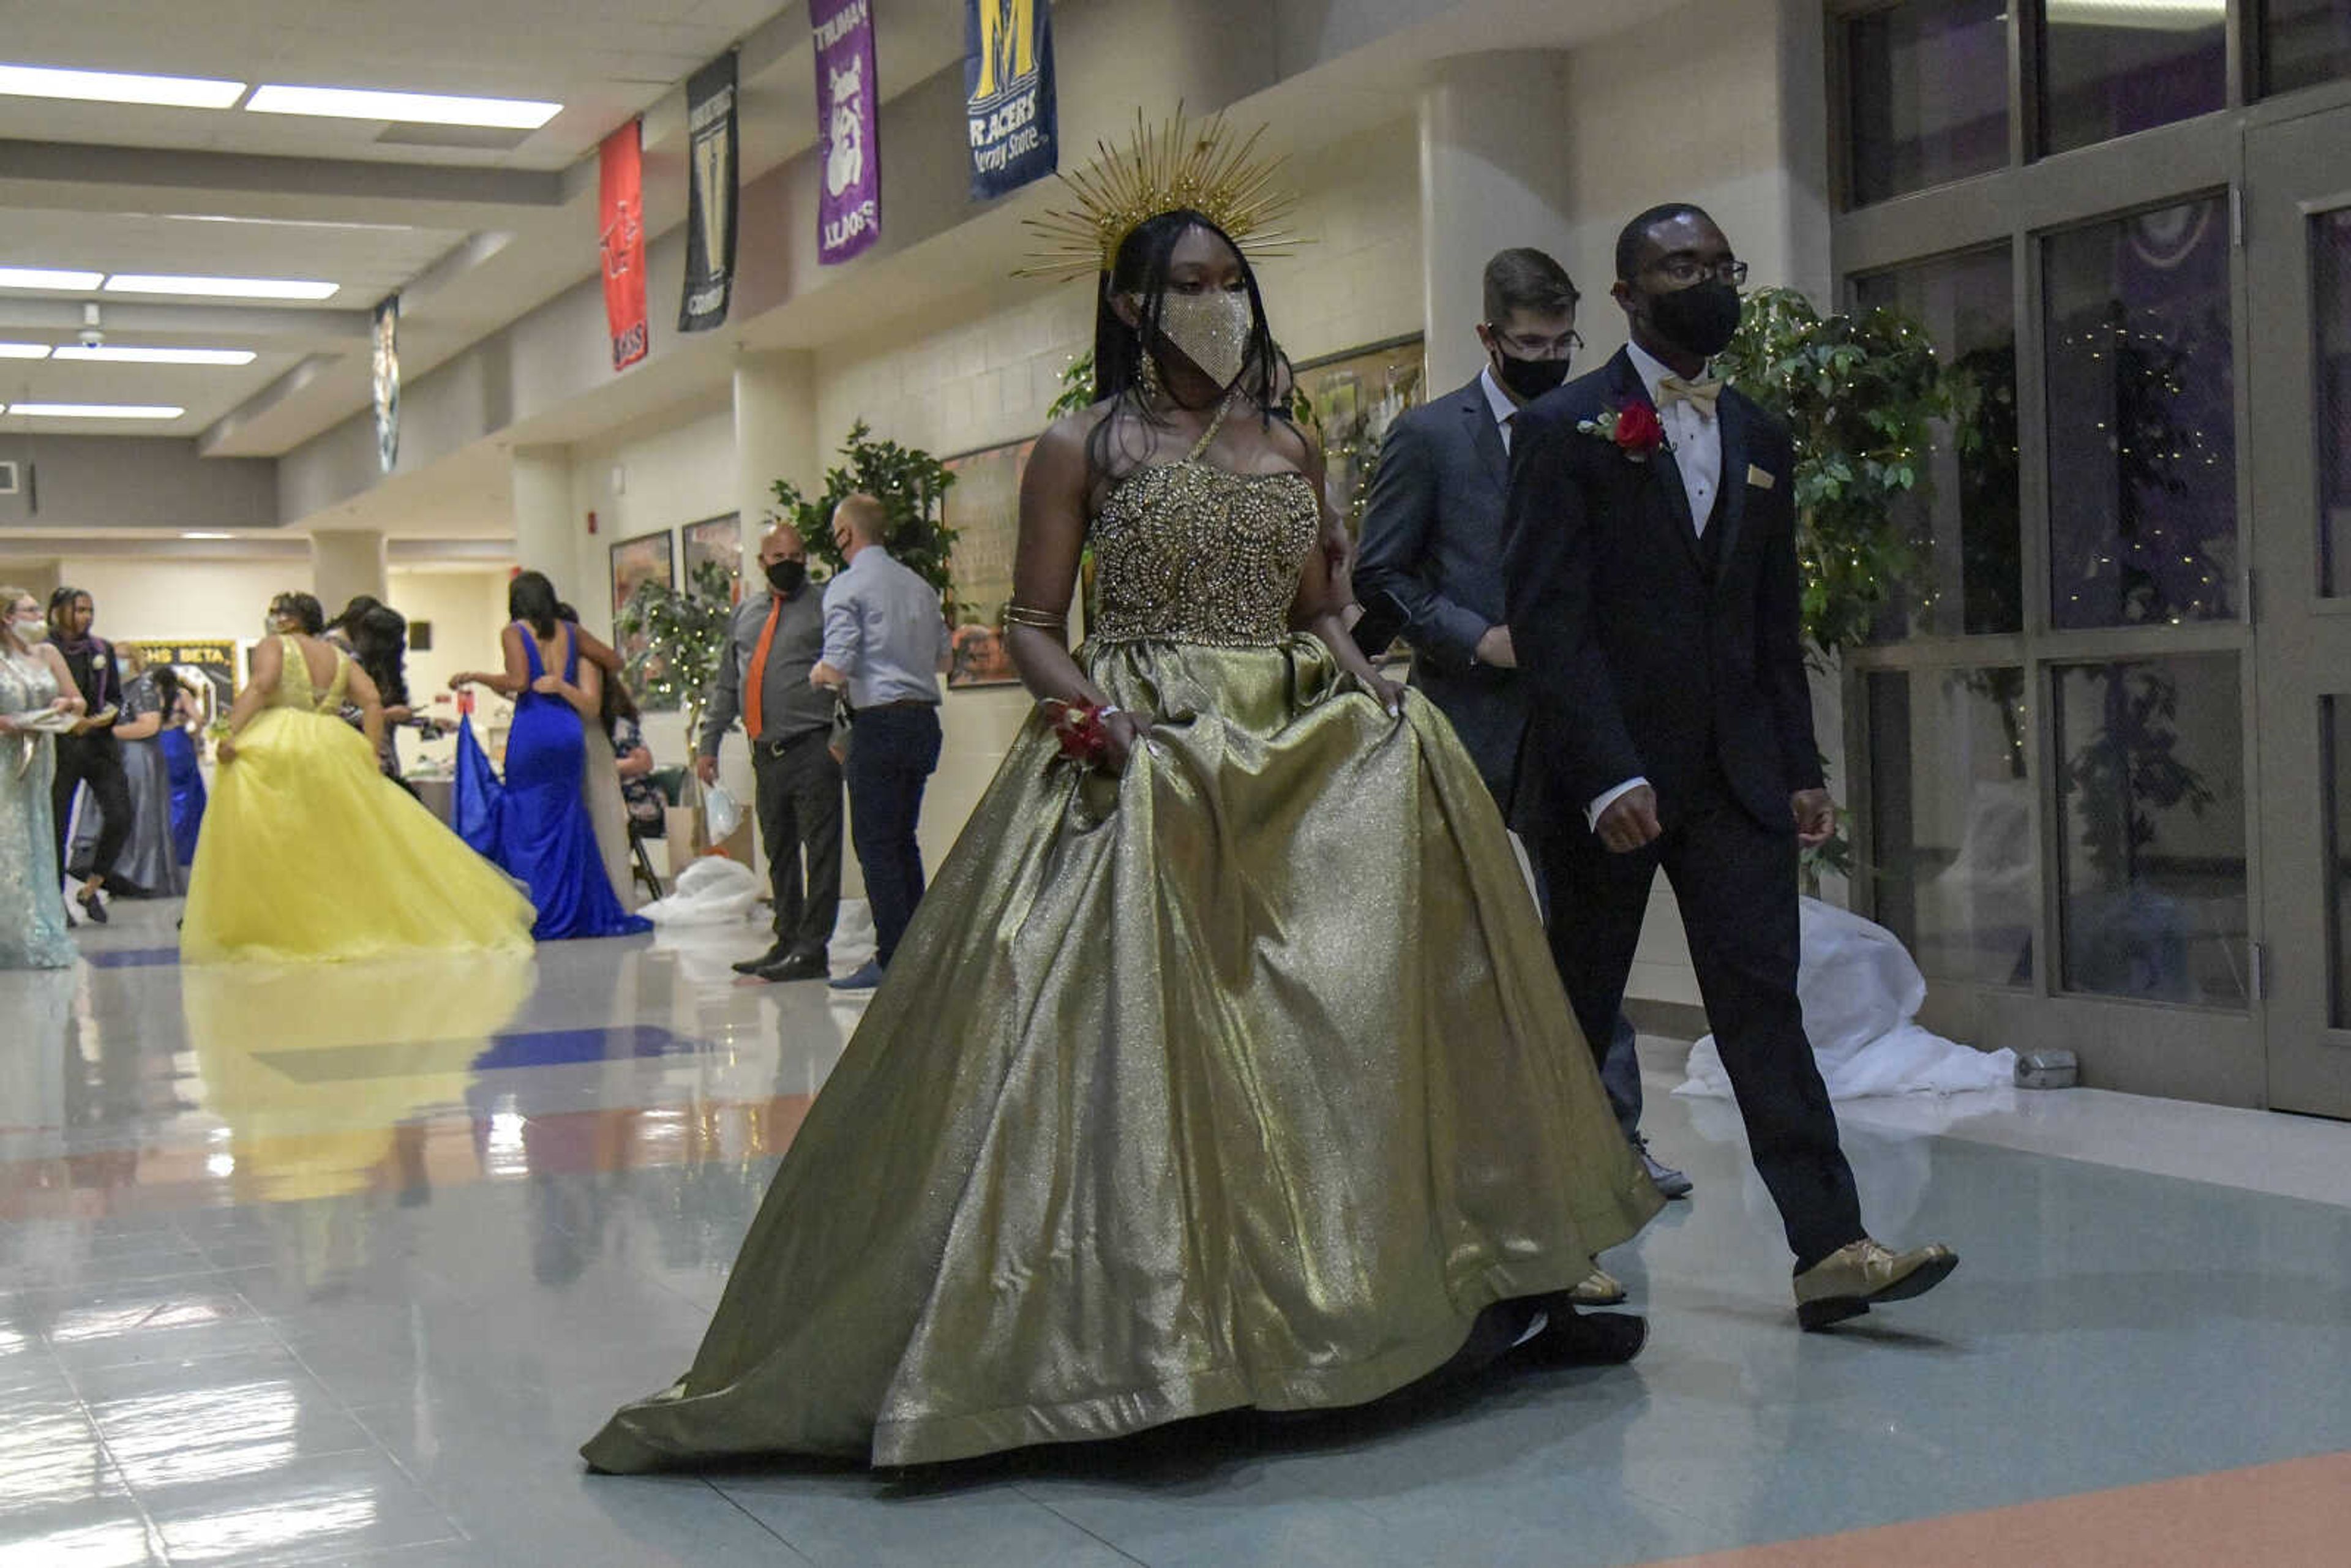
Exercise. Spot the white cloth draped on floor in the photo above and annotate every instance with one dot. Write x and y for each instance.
(1861, 992)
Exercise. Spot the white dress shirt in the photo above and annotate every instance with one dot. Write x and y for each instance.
(1697, 441)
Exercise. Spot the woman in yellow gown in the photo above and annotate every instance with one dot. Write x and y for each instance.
(308, 852)
(1224, 1063)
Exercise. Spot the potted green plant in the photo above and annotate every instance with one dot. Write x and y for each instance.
(1860, 395)
(679, 636)
(910, 484)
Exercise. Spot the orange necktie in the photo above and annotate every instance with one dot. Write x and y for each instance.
(758, 675)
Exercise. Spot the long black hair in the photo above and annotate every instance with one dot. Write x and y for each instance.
(531, 598)
(380, 646)
(1141, 268)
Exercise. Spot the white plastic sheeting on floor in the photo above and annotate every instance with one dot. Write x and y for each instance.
(1862, 993)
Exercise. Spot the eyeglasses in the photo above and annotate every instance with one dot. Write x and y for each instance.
(1687, 271)
(1520, 348)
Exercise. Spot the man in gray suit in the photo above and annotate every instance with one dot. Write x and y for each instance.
(1433, 541)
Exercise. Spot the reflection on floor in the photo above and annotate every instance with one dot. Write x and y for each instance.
(340, 1264)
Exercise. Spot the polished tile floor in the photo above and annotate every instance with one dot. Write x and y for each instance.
(339, 1265)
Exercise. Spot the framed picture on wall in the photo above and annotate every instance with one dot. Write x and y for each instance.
(648, 558)
(715, 542)
(1356, 396)
(984, 506)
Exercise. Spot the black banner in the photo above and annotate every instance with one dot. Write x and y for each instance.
(1007, 82)
(711, 154)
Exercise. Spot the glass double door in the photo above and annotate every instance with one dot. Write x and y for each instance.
(2297, 215)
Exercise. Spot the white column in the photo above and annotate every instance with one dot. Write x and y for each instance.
(547, 535)
(1494, 129)
(774, 432)
(345, 564)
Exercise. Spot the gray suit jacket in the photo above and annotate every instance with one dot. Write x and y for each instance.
(1433, 537)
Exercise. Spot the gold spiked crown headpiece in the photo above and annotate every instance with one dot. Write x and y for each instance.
(1177, 163)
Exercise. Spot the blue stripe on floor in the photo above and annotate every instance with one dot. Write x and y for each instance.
(131, 957)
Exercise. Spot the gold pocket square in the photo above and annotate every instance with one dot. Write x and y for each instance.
(1758, 478)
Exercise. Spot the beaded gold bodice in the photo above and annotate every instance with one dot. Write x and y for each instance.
(1187, 552)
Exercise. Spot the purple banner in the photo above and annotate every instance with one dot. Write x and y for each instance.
(849, 215)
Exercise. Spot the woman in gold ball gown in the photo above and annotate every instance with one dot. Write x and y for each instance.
(1227, 1069)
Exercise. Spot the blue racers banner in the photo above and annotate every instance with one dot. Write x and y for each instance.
(1007, 82)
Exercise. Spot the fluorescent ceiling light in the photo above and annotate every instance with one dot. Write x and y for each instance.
(109, 354)
(2149, 15)
(416, 108)
(95, 411)
(284, 222)
(113, 87)
(201, 534)
(24, 351)
(222, 287)
(49, 278)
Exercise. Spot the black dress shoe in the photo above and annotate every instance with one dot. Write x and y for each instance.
(775, 955)
(1586, 1339)
(92, 905)
(798, 966)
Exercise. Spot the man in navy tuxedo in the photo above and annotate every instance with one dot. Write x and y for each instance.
(1433, 541)
(1654, 602)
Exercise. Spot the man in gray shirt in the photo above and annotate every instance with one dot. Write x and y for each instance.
(772, 646)
(885, 641)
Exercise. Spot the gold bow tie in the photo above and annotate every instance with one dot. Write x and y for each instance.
(1700, 395)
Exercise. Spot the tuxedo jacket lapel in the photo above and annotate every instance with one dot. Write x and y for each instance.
(1485, 436)
(1660, 476)
(1730, 496)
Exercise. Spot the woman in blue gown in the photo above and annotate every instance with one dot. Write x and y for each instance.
(538, 830)
(186, 774)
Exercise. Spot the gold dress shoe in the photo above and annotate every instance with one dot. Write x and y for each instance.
(1849, 1280)
(1597, 1289)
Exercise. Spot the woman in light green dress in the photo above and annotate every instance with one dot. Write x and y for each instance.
(33, 685)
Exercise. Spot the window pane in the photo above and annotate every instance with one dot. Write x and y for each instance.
(1927, 95)
(2151, 818)
(2330, 269)
(1950, 829)
(2111, 67)
(2142, 433)
(1969, 519)
(2305, 42)
(2334, 764)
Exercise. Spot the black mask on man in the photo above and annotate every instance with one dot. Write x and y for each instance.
(786, 576)
(1700, 319)
(1529, 379)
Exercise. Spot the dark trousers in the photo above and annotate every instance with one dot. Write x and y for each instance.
(95, 760)
(799, 804)
(1735, 882)
(1620, 1059)
(892, 752)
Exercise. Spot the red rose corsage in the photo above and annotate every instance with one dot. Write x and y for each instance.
(1634, 429)
(1083, 730)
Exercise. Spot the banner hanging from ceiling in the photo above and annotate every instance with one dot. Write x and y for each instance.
(1007, 88)
(384, 368)
(620, 202)
(848, 110)
(711, 148)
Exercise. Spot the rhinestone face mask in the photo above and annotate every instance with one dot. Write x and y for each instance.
(1212, 330)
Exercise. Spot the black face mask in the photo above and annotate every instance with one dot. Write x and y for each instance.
(1700, 319)
(1529, 379)
(786, 576)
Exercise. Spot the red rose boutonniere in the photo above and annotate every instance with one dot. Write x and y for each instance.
(1631, 427)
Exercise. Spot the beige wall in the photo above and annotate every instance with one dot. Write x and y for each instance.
(141, 599)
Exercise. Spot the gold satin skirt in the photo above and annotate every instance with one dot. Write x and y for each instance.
(1243, 1079)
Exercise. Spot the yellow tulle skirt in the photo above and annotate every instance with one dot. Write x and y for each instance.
(310, 853)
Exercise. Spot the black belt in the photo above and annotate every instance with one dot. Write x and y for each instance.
(901, 702)
(777, 747)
